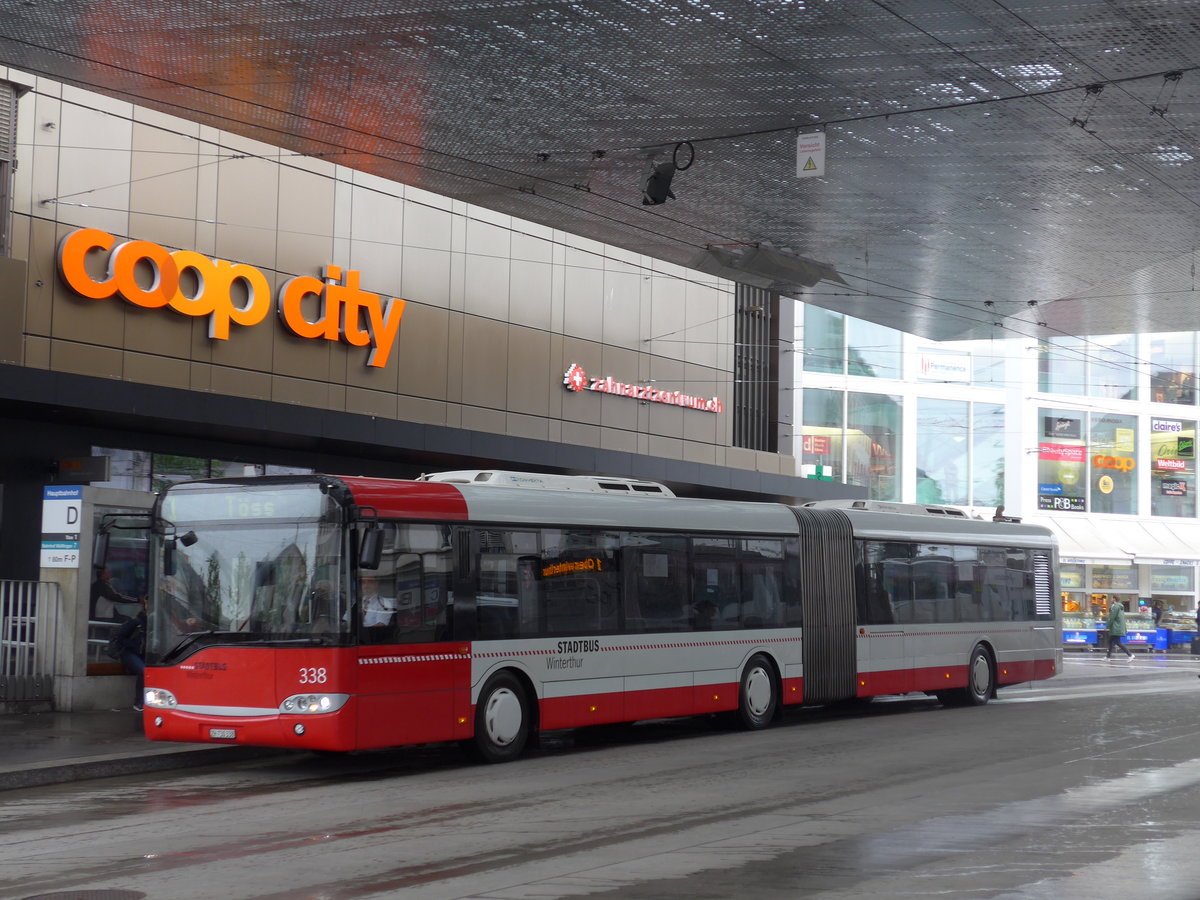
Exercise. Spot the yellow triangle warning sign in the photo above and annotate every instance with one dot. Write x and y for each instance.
(810, 166)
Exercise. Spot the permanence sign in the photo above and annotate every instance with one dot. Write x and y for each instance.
(347, 313)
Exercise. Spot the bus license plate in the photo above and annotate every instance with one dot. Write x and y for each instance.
(222, 734)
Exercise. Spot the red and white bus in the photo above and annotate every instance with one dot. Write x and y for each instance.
(342, 613)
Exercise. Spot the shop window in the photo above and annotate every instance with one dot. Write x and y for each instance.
(1062, 458)
(1173, 476)
(873, 444)
(1112, 463)
(821, 439)
(872, 350)
(943, 457)
(824, 340)
(1173, 368)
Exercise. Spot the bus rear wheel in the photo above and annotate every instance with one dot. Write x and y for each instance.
(502, 719)
(757, 696)
(981, 682)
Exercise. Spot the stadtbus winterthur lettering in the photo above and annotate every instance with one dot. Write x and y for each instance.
(347, 312)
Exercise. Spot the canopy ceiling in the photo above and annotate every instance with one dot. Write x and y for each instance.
(989, 165)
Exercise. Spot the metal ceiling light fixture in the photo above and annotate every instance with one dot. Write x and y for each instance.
(657, 187)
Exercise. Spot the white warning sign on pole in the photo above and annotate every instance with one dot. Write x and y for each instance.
(810, 155)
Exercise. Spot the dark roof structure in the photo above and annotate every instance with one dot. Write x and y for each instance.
(992, 168)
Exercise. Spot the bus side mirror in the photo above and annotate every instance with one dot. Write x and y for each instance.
(100, 550)
(168, 559)
(370, 554)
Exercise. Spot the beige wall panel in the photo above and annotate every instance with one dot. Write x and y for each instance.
(622, 441)
(418, 409)
(532, 242)
(352, 362)
(529, 371)
(531, 288)
(484, 216)
(489, 421)
(37, 352)
(422, 354)
(427, 227)
(707, 310)
(13, 278)
(485, 359)
(145, 368)
(201, 376)
(772, 462)
(741, 458)
(700, 453)
(83, 359)
(375, 249)
(619, 412)
(42, 175)
(166, 122)
(665, 447)
(40, 300)
(247, 211)
(555, 372)
(534, 427)
(298, 357)
(91, 321)
(421, 197)
(668, 320)
(300, 391)
(486, 286)
(580, 435)
(247, 347)
(174, 234)
(583, 303)
(455, 342)
(666, 421)
(622, 309)
(164, 173)
(305, 203)
(239, 383)
(163, 332)
(370, 403)
(305, 254)
(618, 259)
(704, 427)
(94, 165)
(425, 275)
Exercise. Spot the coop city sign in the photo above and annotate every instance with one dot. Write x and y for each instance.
(347, 312)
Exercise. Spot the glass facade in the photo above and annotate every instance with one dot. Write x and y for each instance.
(1094, 426)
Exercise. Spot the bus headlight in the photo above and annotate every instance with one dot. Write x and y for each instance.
(307, 704)
(159, 698)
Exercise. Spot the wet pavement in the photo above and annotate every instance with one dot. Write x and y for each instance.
(53, 747)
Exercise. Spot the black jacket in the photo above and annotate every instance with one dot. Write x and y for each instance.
(132, 634)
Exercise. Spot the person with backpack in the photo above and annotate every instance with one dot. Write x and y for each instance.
(131, 639)
(1116, 628)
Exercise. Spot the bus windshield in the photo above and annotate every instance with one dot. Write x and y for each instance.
(251, 562)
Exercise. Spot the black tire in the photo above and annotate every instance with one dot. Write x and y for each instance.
(502, 719)
(758, 695)
(981, 678)
(981, 682)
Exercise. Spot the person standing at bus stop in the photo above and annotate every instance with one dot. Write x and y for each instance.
(1116, 628)
(132, 639)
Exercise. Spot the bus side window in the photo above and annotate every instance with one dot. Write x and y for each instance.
(658, 583)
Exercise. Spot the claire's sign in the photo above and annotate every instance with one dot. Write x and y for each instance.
(346, 312)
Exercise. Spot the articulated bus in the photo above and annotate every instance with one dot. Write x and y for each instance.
(344, 613)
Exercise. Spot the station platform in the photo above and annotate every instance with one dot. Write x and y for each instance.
(41, 748)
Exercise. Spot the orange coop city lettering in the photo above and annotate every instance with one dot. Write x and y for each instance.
(345, 312)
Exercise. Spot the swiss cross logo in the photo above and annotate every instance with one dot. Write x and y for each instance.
(576, 379)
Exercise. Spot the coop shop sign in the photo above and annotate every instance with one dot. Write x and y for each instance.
(347, 312)
(576, 379)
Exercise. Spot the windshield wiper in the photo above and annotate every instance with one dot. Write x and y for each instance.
(187, 640)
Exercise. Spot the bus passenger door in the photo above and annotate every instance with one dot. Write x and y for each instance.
(885, 618)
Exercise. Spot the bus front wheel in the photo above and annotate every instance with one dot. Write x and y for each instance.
(757, 696)
(502, 719)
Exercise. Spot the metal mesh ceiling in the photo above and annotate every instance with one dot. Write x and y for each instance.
(968, 163)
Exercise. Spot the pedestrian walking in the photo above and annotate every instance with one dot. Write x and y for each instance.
(1116, 628)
